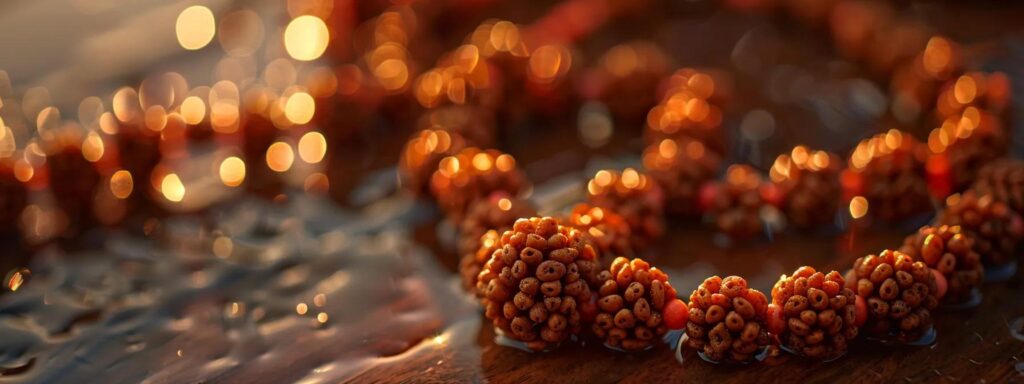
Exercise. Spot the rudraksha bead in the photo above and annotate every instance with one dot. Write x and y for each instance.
(608, 231)
(963, 145)
(634, 196)
(899, 291)
(945, 249)
(993, 227)
(472, 262)
(727, 320)
(631, 304)
(479, 231)
(538, 285)
(498, 212)
(1004, 181)
(681, 166)
(421, 155)
(691, 107)
(889, 171)
(810, 182)
(473, 174)
(816, 313)
(739, 203)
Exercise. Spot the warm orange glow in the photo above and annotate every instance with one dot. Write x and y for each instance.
(858, 207)
(280, 157)
(172, 188)
(938, 56)
(121, 184)
(505, 163)
(23, 170)
(195, 27)
(312, 147)
(7, 142)
(17, 278)
(299, 108)
(630, 178)
(668, 149)
(306, 38)
(232, 171)
(156, 118)
(504, 204)
(965, 90)
(392, 74)
(193, 110)
(482, 161)
(548, 62)
(92, 147)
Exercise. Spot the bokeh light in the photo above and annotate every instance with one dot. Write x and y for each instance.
(195, 27)
(232, 171)
(306, 38)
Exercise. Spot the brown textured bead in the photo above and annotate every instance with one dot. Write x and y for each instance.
(966, 143)
(537, 280)
(474, 174)
(819, 313)
(810, 182)
(471, 263)
(634, 196)
(607, 230)
(1004, 181)
(996, 230)
(498, 211)
(889, 172)
(681, 166)
(691, 108)
(727, 320)
(898, 291)
(738, 202)
(421, 155)
(631, 298)
(947, 250)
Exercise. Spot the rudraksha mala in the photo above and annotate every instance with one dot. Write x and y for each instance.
(813, 314)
